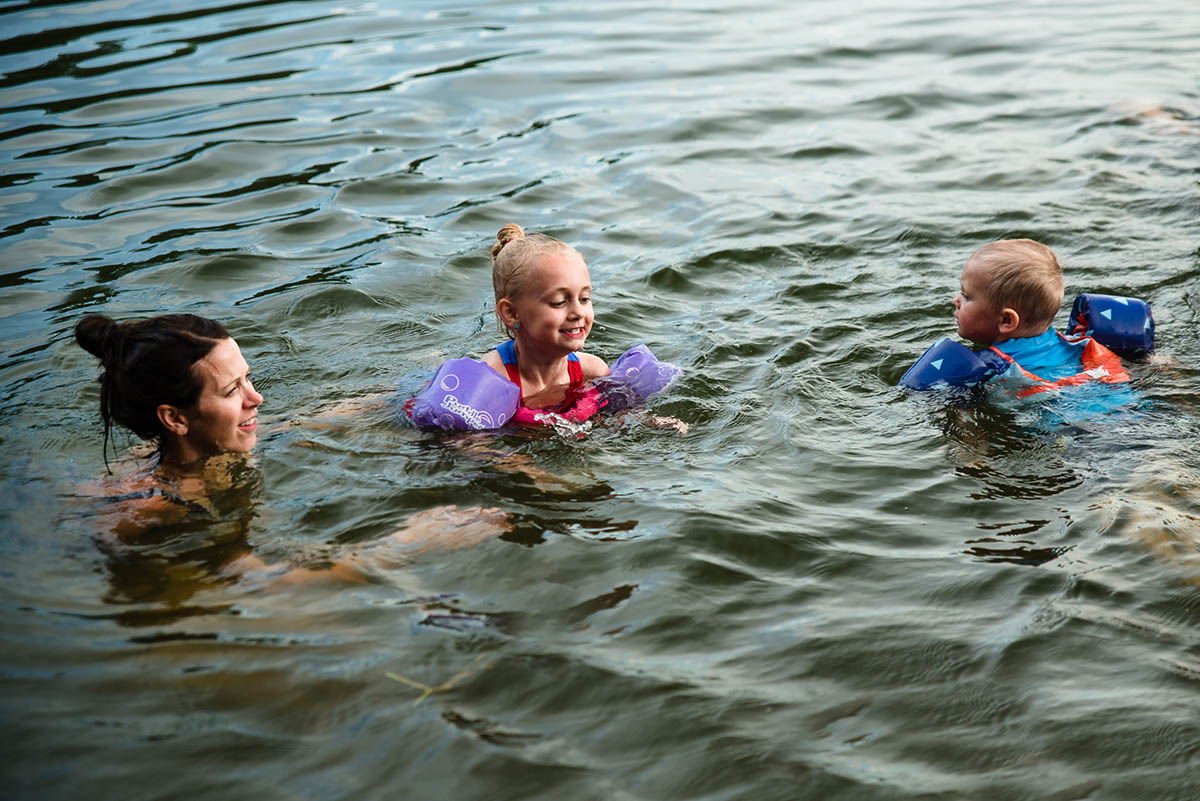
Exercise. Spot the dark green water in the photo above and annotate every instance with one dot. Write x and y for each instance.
(826, 590)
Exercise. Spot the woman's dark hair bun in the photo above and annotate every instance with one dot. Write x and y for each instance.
(147, 363)
(96, 333)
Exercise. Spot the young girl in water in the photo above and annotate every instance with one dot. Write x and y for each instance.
(544, 305)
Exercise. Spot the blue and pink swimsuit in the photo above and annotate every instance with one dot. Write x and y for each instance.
(580, 403)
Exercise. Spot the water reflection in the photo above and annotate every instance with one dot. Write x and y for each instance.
(1014, 462)
(164, 547)
(449, 613)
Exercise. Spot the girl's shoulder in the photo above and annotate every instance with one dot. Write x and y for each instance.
(493, 360)
(593, 366)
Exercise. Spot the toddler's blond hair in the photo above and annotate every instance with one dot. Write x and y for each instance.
(1024, 275)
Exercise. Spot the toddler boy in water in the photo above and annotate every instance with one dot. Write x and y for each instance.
(1010, 291)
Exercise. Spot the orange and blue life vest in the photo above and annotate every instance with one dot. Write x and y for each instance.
(1097, 363)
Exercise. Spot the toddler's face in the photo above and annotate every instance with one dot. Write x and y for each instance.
(977, 320)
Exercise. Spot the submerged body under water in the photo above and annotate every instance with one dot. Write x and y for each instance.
(826, 588)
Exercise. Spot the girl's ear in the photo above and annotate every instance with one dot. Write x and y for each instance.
(172, 419)
(507, 312)
(1010, 320)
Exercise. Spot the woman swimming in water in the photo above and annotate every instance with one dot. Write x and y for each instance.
(180, 383)
(544, 305)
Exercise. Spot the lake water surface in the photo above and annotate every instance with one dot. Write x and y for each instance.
(827, 589)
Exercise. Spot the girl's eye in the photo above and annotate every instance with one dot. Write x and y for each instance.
(557, 303)
(585, 300)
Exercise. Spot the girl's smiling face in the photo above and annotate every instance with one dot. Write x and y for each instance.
(554, 312)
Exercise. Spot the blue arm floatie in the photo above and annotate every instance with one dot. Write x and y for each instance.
(950, 363)
(1123, 325)
(464, 395)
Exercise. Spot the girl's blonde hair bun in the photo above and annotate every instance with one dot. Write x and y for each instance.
(505, 235)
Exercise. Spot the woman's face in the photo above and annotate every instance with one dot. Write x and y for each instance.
(225, 416)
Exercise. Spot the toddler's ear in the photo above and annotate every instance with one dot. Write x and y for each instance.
(1010, 320)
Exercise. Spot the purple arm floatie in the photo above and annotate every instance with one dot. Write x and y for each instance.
(634, 377)
(464, 395)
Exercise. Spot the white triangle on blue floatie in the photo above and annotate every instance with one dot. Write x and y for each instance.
(1149, 322)
(1122, 301)
(937, 365)
(1106, 314)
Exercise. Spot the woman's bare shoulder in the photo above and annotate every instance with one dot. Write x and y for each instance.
(131, 504)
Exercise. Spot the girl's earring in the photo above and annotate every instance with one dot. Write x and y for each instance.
(516, 326)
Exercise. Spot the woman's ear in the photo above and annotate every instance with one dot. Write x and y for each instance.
(1010, 320)
(507, 312)
(173, 419)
